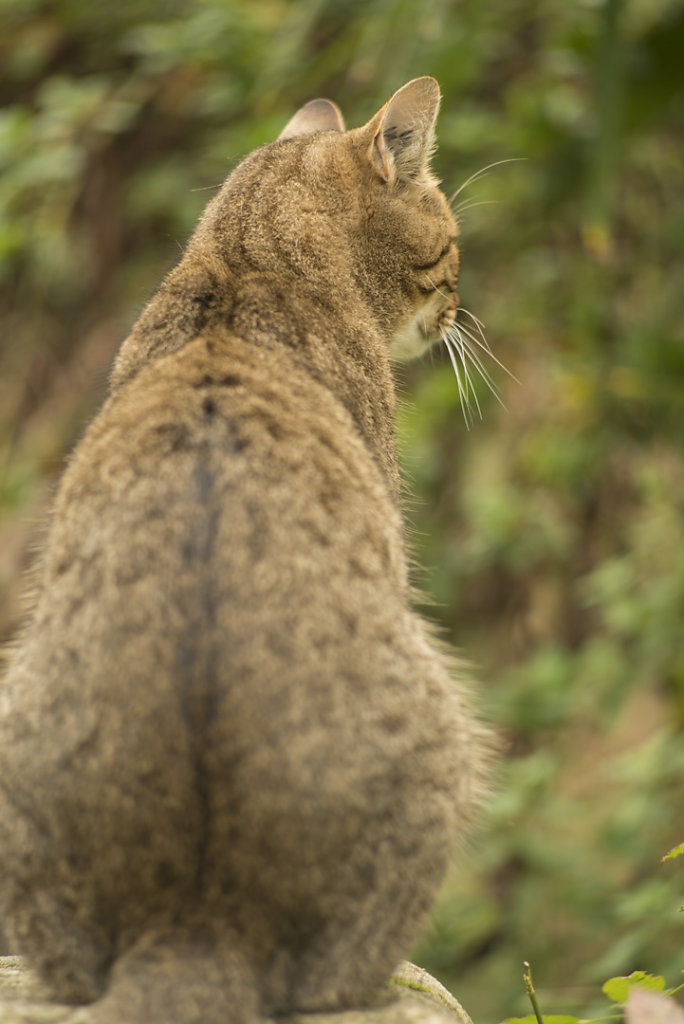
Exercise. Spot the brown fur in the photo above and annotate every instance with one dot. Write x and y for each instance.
(233, 764)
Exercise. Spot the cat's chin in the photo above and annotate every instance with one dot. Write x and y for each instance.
(409, 343)
(423, 331)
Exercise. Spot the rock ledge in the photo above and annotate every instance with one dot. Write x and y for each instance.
(416, 998)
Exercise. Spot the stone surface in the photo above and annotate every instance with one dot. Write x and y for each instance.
(20, 1001)
(416, 998)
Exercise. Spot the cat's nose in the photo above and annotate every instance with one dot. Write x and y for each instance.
(447, 317)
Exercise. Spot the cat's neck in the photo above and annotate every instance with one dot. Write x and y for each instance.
(332, 338)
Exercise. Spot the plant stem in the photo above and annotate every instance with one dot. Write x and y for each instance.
(529, 987)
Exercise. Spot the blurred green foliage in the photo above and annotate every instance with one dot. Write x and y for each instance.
(552, 533)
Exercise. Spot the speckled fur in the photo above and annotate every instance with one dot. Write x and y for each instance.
(233, 763)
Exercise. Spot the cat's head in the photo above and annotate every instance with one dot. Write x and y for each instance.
(357, 208)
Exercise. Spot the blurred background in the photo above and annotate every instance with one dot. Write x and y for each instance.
(551, 533)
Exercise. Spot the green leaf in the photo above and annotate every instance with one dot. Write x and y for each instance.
(676, 851)
(618, 989)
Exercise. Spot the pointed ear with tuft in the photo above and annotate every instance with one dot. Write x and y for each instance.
(314, 116)
(404, 131)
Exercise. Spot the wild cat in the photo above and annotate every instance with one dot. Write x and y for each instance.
(233, 761)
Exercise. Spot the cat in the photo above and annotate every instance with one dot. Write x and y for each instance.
(234, 762)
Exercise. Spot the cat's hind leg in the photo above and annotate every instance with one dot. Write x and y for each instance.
(178, 976)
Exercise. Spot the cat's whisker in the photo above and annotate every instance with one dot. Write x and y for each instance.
(462, 342)
(458, 354)
(475, 357)
(469, 381)
(483, 170)
(478, 323)
(470, 353)
(484, 345)
(462, 394)
(439, 290)
(468, 205)
(481, 341)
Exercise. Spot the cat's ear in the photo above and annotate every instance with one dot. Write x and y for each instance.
(314, 116)
(404, 131)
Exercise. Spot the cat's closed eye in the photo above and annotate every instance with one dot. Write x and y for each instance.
(440, 256)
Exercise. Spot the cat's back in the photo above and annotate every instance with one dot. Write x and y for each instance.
(221, 520)
(224, 452)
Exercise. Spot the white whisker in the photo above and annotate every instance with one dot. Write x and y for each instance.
(484, 345)
(469, 204)
(462, 395)
(481, 342)
(476, 359)
(469, 381)
(466, 347)
(460, 343)
(455, 347)
(478, 323)
(483, 170)
(439, 290)
(469, 352)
